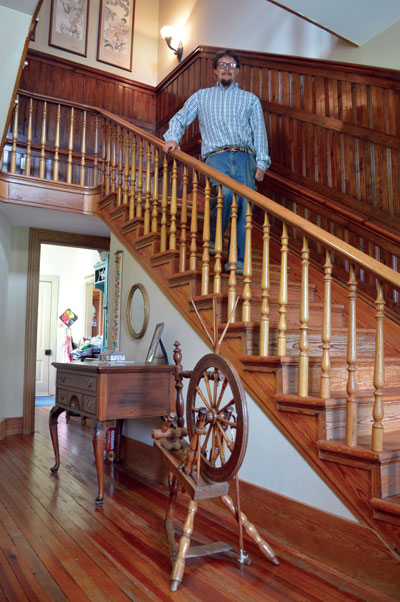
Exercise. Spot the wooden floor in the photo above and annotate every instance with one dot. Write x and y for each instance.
(55, 545)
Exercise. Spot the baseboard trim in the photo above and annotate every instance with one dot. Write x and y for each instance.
(13, 426)
(345, 553)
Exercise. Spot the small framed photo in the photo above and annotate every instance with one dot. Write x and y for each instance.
(115, 39)
(69, 25)
(155, 341)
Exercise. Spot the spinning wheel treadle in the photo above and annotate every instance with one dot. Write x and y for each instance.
(215, 386)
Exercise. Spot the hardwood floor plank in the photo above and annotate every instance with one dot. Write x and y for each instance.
(56, 545)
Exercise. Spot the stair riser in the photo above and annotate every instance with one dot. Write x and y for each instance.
(336, 419)
(338, 377)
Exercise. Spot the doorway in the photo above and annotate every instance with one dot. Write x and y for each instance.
(72, 268)
(37, 237)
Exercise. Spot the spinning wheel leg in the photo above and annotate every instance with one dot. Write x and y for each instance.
(169, 517)
(184, 543)
(250, 530)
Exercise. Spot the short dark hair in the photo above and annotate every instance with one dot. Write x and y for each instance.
(226, 52)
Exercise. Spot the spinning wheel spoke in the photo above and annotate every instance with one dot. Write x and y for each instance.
(223, 441)
(229, 442)
(206, 438)
(223, 388)
(203, 399)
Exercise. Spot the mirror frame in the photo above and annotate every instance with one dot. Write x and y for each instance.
(134, 288)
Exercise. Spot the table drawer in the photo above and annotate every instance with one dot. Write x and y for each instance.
(71, 400)
(90, 404)
(84, 382)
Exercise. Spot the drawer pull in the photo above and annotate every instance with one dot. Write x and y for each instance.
(62, 378)
(89, 383)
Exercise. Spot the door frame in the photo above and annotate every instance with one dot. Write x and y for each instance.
(37, 237)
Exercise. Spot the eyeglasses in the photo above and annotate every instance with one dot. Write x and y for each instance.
(232, 65)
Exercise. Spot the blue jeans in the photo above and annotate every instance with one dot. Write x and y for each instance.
(240, 166)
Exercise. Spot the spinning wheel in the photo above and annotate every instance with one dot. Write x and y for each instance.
(217, 426)
(215, 385)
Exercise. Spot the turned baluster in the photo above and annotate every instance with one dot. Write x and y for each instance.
(283, 293)
(182, 245)
(57, 145)
(327, 330)
(132, 195)
(247, 271)
(193, 224)
(96, 152)
(379, 374)
(108, 159)
(13, 165)
(173, 207)
(139, 195)
(42, 162)
(126, 169)
(154, 213)
(83, 149)
(70, 145)
(205, 260)
(164, 205)
(114, 159)
(120, 136)
(103, 154)
(265, 284)
(233, 261)
(29, 139)
(351, 405)
(218, 243)
(304, 319)
(147, 190)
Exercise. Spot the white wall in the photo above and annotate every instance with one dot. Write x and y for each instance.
(14, 28)
(271, 461)
(72, 265)
(13, 336)
(5, 252)
(145, 41)
(264, 27)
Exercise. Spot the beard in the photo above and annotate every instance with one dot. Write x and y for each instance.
(225, 82)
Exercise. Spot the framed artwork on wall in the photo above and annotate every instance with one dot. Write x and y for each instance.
(115, 40)
(69, 25)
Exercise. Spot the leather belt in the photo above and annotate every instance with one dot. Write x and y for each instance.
(227, 149)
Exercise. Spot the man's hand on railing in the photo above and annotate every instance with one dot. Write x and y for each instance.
(170, 145)
(259, 174)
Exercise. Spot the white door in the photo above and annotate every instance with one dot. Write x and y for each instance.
(46, 335)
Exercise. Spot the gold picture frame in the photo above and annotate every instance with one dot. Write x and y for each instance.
(137, 308)
(69, 28)
(115, 39)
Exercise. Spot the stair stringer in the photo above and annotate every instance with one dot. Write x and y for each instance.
(352, 484)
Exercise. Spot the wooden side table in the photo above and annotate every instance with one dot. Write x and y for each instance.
(106, 391)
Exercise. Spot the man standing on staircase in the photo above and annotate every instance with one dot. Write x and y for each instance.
(233, 139)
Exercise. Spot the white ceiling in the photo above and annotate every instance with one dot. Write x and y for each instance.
(23, 6)
(35, 217)
(356, 20)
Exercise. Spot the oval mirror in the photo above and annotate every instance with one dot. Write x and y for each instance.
(137, 311)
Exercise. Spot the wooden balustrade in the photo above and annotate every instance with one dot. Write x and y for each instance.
(129, 164)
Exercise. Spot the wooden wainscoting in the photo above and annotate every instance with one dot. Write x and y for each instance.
(54, 76)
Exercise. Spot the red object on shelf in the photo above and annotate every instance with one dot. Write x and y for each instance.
(109, 452)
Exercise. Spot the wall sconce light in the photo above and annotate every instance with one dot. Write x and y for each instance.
(167, 33)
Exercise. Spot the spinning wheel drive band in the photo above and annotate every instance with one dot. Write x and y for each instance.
(215, 385)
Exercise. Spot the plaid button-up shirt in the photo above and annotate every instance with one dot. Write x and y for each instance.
(227, 117)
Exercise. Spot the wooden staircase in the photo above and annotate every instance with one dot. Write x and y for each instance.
(367, 482)
(314, 336)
